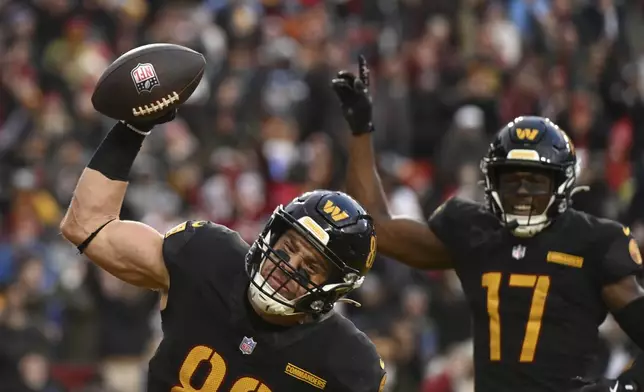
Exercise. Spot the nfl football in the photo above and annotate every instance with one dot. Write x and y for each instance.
(147, 81)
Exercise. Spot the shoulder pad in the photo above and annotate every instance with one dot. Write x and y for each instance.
(457, 207)
(196, 231)
(191, 224)
(619, 254)
(203, 255)
(459, 222)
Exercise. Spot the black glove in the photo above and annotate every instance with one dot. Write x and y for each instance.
(609, 385)
(355, 98)
(144, 126)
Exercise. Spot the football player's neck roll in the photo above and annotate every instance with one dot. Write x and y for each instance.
(530, 172)
(311, 254)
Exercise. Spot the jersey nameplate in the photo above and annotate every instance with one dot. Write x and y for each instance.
(305, 376)
(565, 259)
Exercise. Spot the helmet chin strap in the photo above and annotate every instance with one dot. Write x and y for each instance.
(261, 297)
(525, 230)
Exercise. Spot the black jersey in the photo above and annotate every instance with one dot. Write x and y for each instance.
(214, 341)
(536, 302)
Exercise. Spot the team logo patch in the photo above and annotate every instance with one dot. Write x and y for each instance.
(305, 376)
(527, 134)
(634, 250)
(144, 77)
(334, 211)
(518, 252)
(247, 345)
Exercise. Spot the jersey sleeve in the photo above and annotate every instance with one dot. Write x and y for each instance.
(203, 253)
(360, 369)
(622, 257)
(460, 224)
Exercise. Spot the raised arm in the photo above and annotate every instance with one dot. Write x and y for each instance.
(131, 251)
(406, 240)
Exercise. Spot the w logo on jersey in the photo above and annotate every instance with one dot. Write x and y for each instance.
(144, 77)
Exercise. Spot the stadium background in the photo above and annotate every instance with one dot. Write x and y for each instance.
(264, 125)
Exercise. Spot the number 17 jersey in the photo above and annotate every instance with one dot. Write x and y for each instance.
(536, 302)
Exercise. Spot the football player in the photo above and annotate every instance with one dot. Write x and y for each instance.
(236, 317)
(539, 276)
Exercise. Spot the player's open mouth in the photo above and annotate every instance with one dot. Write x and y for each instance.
(523, 208)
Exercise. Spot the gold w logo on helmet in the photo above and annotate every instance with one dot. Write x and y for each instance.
(527, 134)
(334, 211)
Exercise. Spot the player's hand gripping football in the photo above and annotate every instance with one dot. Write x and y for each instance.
(353, 92)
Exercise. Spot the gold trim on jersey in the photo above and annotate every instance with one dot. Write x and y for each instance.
(305, 376)
(565, 259)
(177, 229)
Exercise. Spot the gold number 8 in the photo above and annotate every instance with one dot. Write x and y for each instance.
(216, 376)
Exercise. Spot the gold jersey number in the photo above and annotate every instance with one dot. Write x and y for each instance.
(540, 286)
(205, 355)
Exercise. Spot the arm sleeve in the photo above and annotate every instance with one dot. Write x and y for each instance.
(462, 226)
(444, 220)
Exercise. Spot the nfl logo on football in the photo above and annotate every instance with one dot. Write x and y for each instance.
(144, 77)
(247, 345)
(518, 252)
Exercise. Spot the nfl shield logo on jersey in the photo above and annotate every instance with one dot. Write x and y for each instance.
(518, 252)
(247, 345)
(144, 77)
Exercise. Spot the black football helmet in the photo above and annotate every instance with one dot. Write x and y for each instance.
(531, 144)
(338, 228)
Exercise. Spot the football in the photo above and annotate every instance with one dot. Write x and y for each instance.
(147, 81)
